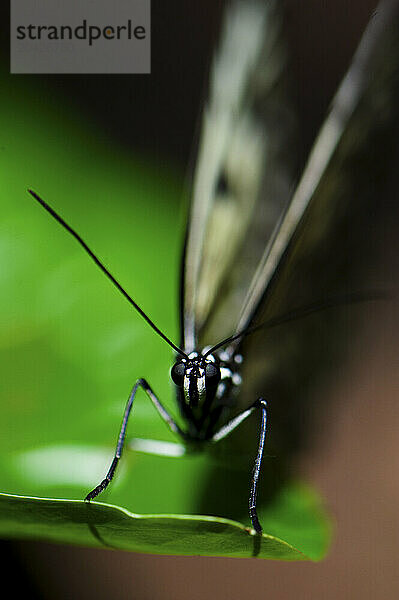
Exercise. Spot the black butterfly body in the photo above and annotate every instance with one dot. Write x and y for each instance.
(254, 248)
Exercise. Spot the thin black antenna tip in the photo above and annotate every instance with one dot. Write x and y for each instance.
(36, 197)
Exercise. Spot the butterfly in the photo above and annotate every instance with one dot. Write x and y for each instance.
(256, 245)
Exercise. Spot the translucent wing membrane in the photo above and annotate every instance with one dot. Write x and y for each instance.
(330, 238)
(364, 84)
(245, 213)
(241, 184)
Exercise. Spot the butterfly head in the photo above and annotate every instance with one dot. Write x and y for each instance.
(197, 376)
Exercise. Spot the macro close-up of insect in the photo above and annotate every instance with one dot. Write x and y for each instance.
(246, 288)
(227, 200)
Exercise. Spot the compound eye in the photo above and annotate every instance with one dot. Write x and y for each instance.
(177, 373)
(212, 375)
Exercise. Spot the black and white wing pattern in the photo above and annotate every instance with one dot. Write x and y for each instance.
(241, 185)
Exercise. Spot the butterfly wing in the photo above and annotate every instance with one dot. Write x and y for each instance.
(246, 124)
(364, 100)
(323, 249)
(329, 238)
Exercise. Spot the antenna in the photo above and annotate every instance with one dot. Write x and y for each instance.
(105, 271)
(305, 311)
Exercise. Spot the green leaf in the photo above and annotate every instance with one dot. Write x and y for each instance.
(104, 525)
(71, 348)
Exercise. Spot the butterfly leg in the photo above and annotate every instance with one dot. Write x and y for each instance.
(122, 434)
(231, 426)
